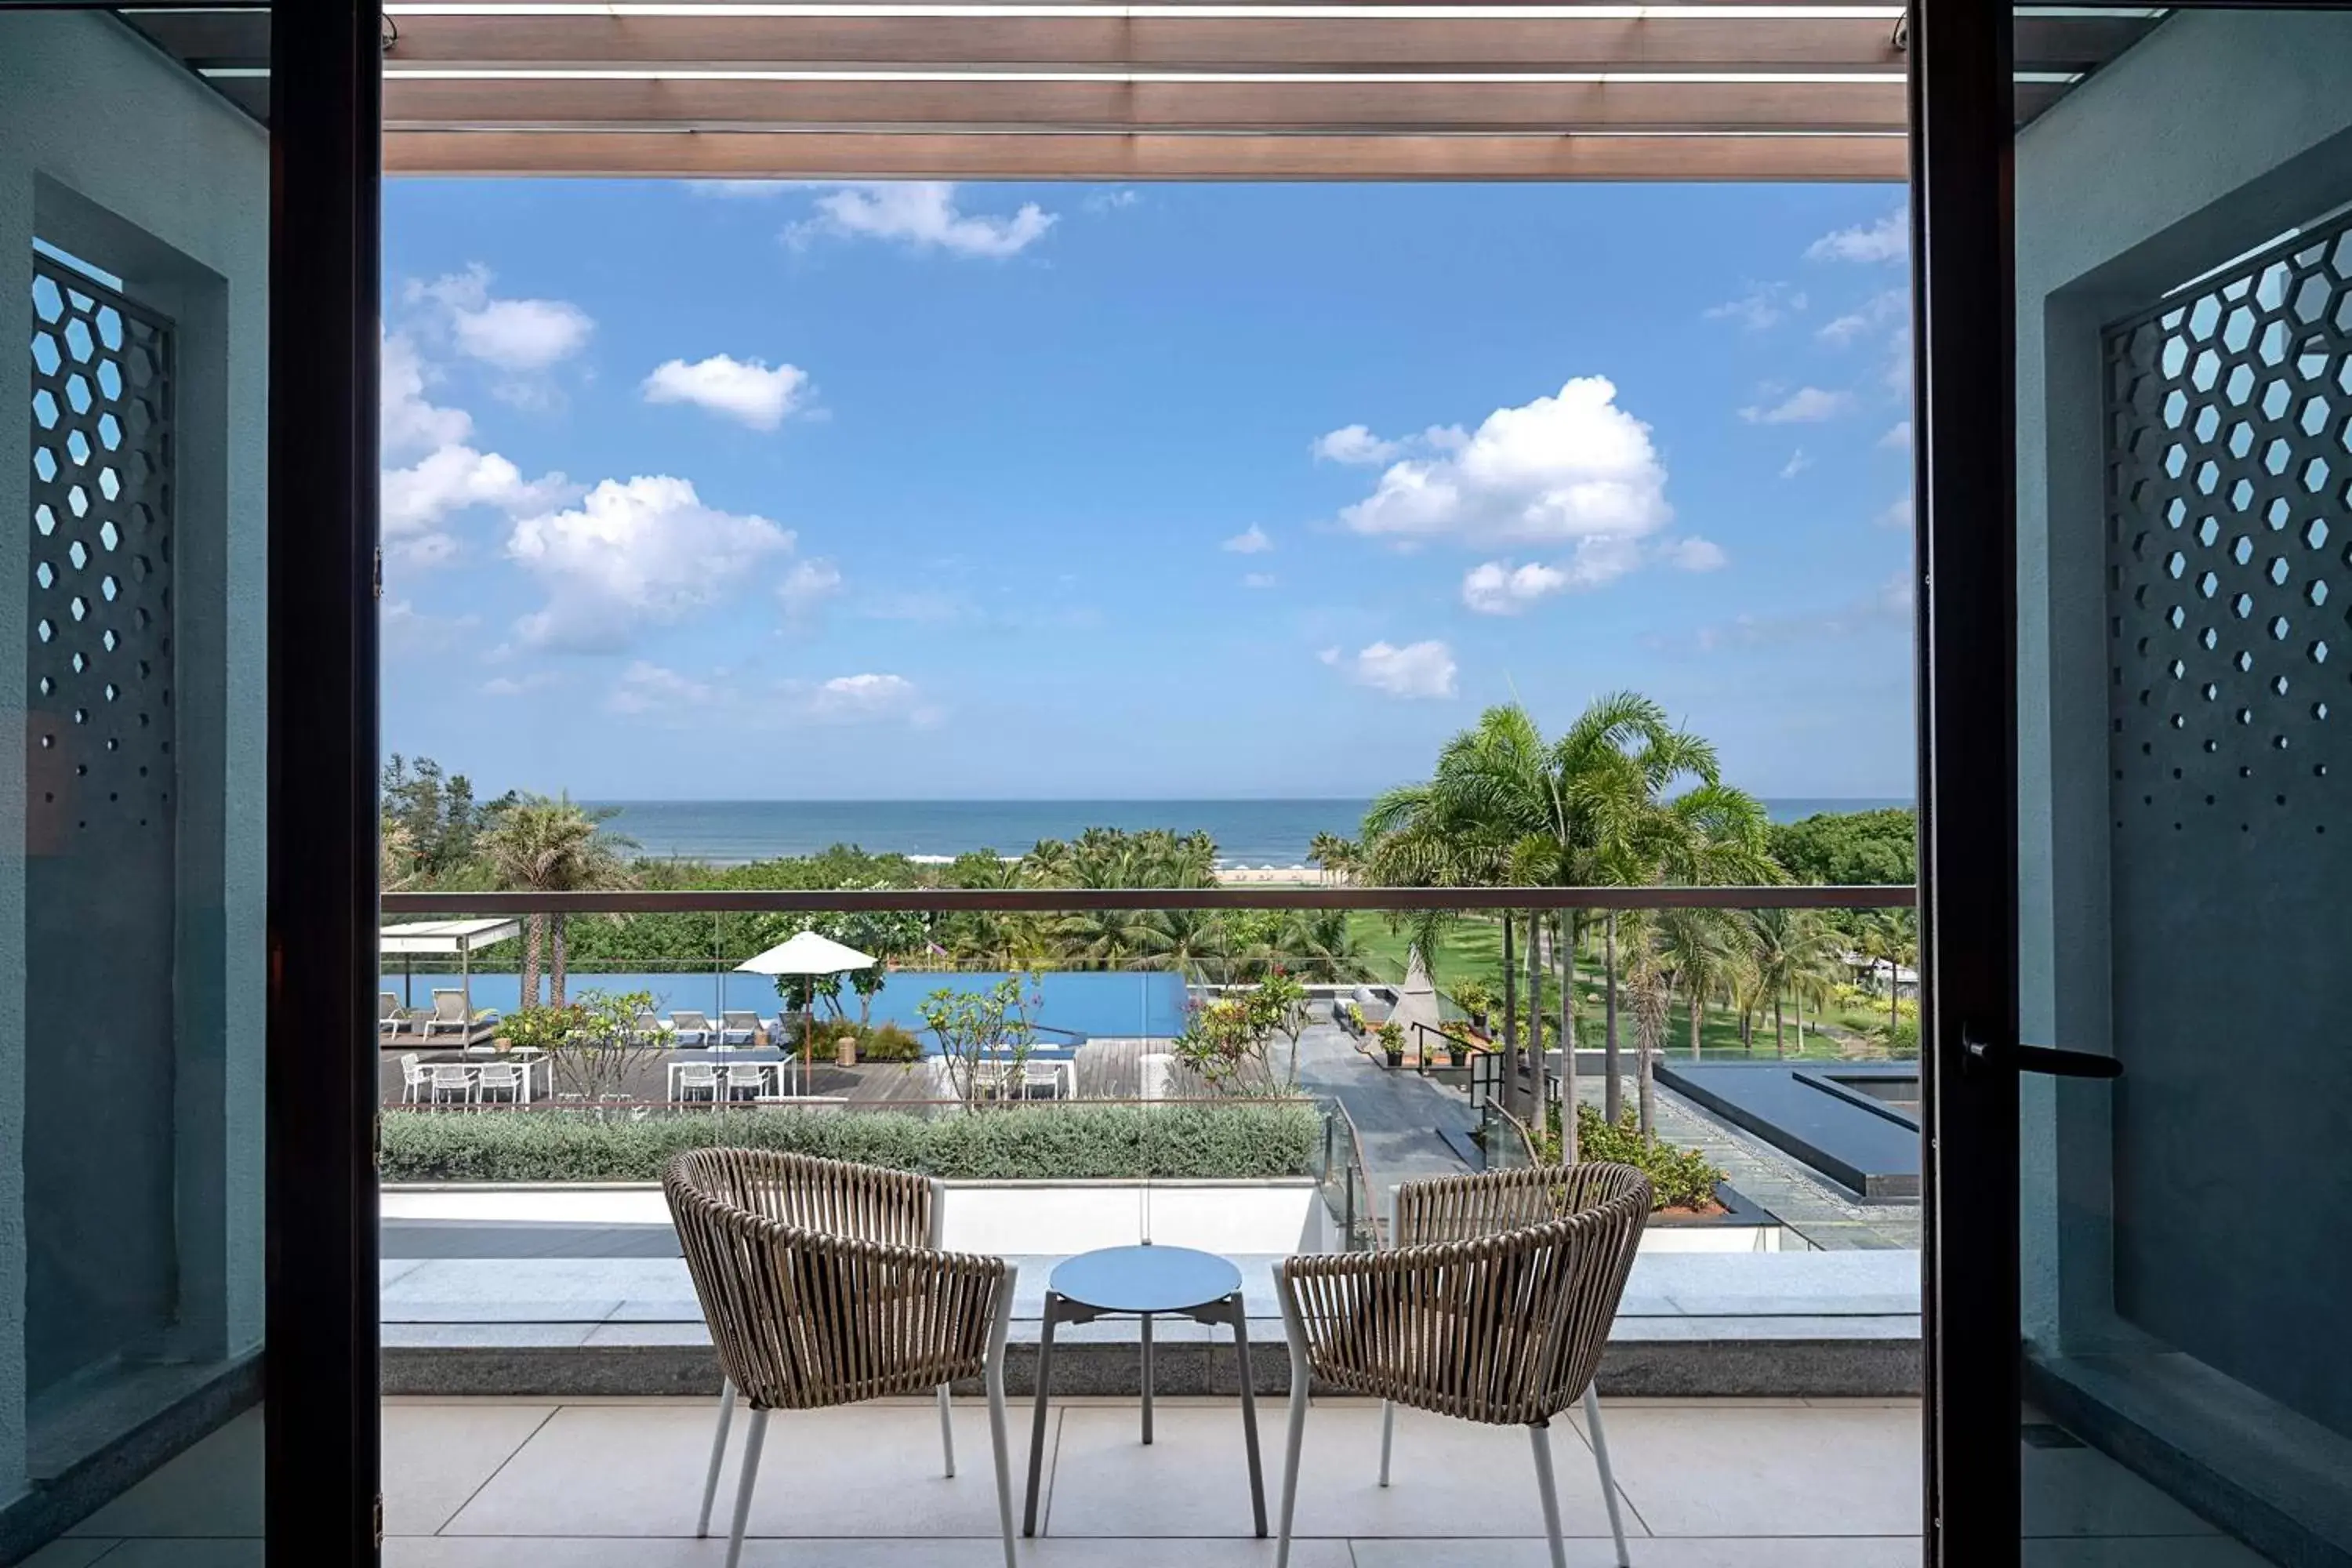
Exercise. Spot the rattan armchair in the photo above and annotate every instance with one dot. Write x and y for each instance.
(823, 1287)
(1492, 1306)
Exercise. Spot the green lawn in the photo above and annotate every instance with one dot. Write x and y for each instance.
(1474, 946)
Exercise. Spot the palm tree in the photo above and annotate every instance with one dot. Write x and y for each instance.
(1647, 987)
(1892, 937)
(1507, 807)
(1695, 947)
(551, 845)
(1336, 855)
(1792, 952)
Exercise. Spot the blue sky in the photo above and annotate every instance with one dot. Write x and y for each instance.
(944, 491)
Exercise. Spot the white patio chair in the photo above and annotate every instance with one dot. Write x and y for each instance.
(493, 1080)
(748, 1080)
(448, 1015)
(413, 1077)
(697, 1081)
(1046, 1076)
(451, 1078)
(738, 1028)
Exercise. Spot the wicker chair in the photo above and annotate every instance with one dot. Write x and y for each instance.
(1492, 1306)
(822, 1287)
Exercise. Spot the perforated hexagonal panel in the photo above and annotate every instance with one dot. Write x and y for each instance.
(2230, 548)
(101, 889)
(99, 669)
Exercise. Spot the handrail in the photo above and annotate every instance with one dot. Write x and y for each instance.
(1049, 900)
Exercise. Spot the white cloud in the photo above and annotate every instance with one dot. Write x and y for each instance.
(1251, 540)
(1416, 670)
(1888, 239)
(1355, 444)
(1257, 579)
(1498, 588)
(1882, 309)
(1806, 406)
(1696, 554)
(646, 687)
(408, 629)
(1764, 305)
(410, 421)
(922, 214)
(635, 551)
(1898, 437)
(746, 391)
(517, 685)
(417, 498)
(807, 585)
(1881, 610)
(864, 696)
(1898, 514)
(512, 334)
(1113, 201)
(1569, 466)
(1797, 464)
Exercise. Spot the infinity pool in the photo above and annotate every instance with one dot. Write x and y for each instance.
(1145, 1004)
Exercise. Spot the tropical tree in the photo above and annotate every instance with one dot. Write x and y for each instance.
(1338, 855)
(1695, 949)
(1650, 992)
(545, 845)
(1507, 806)
(1892, 937)
(1793, 952)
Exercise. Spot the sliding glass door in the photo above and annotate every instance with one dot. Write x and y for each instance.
(178, 357)
(2137, 505)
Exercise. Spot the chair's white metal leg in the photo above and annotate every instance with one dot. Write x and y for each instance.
(717, 1456)
(753, 1440)
(1301, 1374)
(946, 1431)
(1608, 1481)
(996, 1378)
(1539, 1438)
(1388, 1435)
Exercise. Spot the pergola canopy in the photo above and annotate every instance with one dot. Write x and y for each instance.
(1189, 90)
(463, 937)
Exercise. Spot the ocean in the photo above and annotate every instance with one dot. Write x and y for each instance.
(1248, 832)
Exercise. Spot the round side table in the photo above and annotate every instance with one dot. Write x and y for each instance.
(1144, 1282)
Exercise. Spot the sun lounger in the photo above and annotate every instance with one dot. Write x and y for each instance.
(738, 1028)
(688, 1028)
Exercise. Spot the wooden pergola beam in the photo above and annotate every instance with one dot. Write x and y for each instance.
(1027, 155)
(1115, 104)
(1861, 42)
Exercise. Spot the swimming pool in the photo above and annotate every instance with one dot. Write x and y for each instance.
(1145, 1004)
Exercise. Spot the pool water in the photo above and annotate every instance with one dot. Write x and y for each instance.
(1135, 1004)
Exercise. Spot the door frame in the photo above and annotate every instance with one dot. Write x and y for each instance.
(321, 1381)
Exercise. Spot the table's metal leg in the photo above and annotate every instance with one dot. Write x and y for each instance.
(1146, 1378)
(1037, 1425)
(1249, 1411)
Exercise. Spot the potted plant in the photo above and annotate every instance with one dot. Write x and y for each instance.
(1354, 1019)
(1457, 1045)
(1476, 997)
(1391, 1035)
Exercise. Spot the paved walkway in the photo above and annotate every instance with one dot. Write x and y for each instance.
(1398, 1115)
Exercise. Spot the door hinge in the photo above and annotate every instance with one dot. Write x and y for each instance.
(377, 1522)
(378, 572)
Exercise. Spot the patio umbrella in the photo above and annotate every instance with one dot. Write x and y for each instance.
(807, 954)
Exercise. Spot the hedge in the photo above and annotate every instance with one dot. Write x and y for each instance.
(1171, 1141)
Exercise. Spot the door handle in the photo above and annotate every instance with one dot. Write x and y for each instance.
(2048, 1059)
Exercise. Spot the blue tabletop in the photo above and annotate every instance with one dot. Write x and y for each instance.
(1145, 1279)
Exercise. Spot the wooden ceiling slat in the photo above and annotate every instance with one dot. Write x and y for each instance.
(1341, 42)
(1014, 155)
(1112, 104)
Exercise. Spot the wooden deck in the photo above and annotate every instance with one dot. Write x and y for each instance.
(1107, 1069)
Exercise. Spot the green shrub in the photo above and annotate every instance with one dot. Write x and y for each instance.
(1074, 1142)
(1680, 1178)
(889, 1043)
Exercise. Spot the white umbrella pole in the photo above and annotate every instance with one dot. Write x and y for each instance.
(466, 981)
